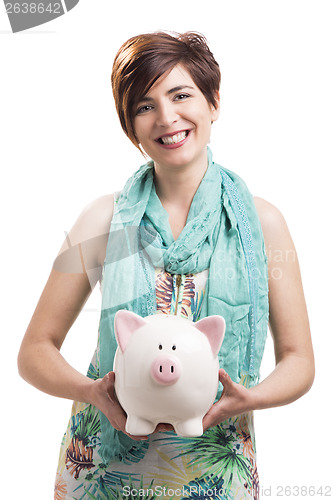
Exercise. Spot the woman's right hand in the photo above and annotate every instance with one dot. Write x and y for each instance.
(103, 396)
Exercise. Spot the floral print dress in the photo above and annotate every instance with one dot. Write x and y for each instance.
(220, 464)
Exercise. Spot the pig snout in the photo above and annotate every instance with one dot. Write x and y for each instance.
(165, 369)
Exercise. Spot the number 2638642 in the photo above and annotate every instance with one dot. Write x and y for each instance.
(33, 8)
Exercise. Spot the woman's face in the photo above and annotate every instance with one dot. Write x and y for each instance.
(173, 121)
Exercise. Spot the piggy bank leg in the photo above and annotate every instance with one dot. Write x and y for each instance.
(138, 426)
(189, 428)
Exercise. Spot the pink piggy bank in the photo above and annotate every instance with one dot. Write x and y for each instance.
(166, 370)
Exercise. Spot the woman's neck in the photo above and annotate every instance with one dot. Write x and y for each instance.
(177, 186)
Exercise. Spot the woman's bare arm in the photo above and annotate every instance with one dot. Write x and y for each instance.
(40, 362)
(289, 324)
(66, 291)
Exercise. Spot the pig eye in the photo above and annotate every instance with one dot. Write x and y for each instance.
(160, 347)
(173, 347)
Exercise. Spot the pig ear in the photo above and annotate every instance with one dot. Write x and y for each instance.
(125, 324)
(213, 327)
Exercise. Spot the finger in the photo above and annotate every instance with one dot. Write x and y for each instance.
(110, 386)
(207, 422)
(225, 379)
(109, 381)
(211, 417)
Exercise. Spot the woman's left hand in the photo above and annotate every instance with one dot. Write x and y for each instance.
(235, 399)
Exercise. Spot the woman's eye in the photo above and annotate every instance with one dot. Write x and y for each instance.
(143, 109)
(181, 97)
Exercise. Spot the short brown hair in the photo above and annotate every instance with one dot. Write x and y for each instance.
(143, 59)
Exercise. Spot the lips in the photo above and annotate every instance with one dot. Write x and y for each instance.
(173, 139)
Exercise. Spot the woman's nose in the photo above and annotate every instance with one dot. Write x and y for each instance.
(166, 115)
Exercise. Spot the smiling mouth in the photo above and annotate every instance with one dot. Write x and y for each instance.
(173, 139)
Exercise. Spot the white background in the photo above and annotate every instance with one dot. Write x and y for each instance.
(62, 146)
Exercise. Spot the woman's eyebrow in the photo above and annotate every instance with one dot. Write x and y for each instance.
(171, 91)
(180, 87)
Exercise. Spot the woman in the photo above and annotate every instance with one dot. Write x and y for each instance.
(186, 238)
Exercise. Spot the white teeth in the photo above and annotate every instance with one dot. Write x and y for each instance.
(173, 139)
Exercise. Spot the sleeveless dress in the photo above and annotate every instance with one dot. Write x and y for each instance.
(220, 464)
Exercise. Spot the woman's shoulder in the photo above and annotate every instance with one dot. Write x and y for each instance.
(274, 226)
(269, 215)
(94, 220)
(96, 216)
(85, 244)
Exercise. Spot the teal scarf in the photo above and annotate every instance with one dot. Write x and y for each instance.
(222, 233)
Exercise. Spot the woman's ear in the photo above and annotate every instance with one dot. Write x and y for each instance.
(216, 107)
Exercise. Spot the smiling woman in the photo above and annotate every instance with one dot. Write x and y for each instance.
(142, 60)
(175, 127)
(186, 238)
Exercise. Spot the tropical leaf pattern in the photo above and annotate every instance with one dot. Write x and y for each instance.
(60, 490)
(175, 296)
(78, 457)
(221, 464)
